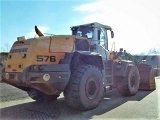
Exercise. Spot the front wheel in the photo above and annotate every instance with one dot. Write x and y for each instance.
(128, 85)
(85, 88)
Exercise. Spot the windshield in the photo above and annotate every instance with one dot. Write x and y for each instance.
(83, 31)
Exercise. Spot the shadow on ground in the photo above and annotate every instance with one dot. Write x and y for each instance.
(60, 110)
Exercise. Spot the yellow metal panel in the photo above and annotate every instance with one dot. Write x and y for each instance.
(62, 44)
(38, 47)
(16, 61)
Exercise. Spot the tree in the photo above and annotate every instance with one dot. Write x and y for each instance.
(154, 51)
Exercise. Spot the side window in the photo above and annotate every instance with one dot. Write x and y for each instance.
(79, 33)
(102, 38)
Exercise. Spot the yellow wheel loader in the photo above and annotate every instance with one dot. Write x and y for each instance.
(79, 65)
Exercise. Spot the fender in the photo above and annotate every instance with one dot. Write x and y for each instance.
(87, 57)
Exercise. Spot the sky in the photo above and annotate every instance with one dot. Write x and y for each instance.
(136, 23)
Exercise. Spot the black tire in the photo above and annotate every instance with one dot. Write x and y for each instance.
(85, 88)
(128, 85)
(41, 97)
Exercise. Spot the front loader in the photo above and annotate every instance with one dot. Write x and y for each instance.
(79, 65)
(147, 72)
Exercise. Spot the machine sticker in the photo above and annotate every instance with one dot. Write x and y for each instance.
(18, 50)
(45, 58)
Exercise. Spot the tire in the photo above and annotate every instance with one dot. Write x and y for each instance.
(85, 88)
(41, 97)
(128, 85)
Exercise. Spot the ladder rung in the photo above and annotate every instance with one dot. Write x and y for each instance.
(108, 75)
(108, 68)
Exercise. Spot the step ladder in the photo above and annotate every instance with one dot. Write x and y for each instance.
(109, 73)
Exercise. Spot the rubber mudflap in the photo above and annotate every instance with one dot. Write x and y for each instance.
(147, 78)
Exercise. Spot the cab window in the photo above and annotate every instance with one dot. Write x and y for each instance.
(101, 37)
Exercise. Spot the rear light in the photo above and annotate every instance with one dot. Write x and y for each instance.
(34, 67)
(40, 67)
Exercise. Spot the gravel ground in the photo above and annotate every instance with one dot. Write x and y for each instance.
(9, 93)
(16, 105)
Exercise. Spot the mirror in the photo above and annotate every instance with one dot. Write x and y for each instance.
(99, 32)
(112, 34)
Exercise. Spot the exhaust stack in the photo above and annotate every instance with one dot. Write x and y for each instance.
(39, 33)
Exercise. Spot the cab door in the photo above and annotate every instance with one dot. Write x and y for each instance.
(102, 46)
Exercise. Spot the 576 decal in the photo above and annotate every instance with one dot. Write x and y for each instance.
(45, 58)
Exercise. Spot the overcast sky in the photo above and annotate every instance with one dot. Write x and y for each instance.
(136, 23)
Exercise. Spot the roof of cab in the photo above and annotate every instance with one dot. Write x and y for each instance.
(95, 24)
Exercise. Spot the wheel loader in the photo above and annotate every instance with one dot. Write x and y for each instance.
(79, 65)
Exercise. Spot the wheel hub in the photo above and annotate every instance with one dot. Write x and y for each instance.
(91, 88)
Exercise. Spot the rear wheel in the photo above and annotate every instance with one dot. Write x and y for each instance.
(41, 97)
(85, 88)
(128, 85)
